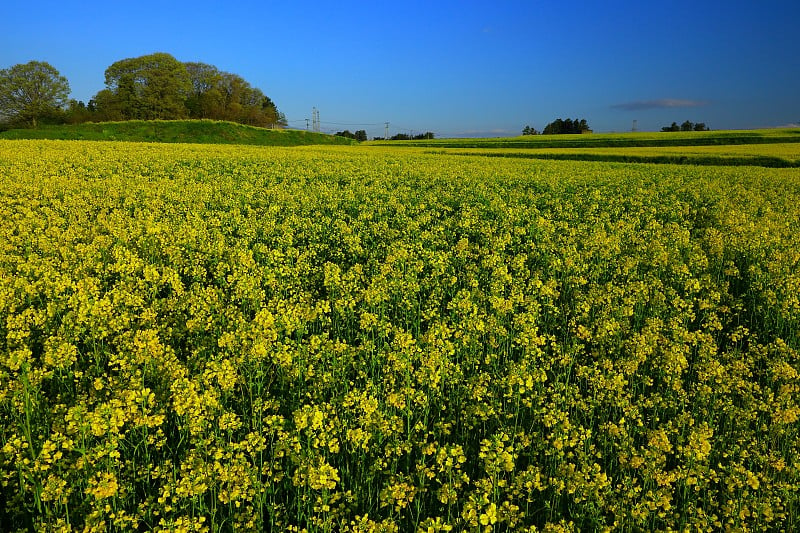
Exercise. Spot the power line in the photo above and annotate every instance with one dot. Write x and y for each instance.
(354, 123)
(336, 123)
(316, 125)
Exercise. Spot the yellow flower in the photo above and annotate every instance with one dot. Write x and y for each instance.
(103, 486)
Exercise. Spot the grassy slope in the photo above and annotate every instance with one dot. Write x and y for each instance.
(170, 131)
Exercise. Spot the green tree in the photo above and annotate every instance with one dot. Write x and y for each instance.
(205, 100)
(154, 86)
(30, 92)
(106, 106)
(686, 126)
(346, 133)
(77, 113)
(561, 126)
(224, 96)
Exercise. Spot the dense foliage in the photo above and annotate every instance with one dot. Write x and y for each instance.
(150, 87)
(359, 135)
(562, 126)
(158, 86)
(203, 338)
(686, 126)
(30, 92)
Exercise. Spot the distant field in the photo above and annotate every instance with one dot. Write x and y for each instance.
(783, 155)
(176, 131)
(703, 138)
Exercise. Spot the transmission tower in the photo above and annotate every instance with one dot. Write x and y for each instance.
(634, 127)
(315, 119)
(386, 135)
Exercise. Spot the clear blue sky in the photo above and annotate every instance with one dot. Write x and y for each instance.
(457, 68)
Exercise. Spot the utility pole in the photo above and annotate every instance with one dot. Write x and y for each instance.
(386, 135)
(306, 124)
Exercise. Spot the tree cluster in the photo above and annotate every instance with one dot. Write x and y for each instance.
(686, 126)
(527, 130)
(561, 126)
(407, 137)
(150, 87)
(360, 135)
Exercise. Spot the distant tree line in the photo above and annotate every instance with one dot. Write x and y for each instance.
(686, 126)
(561, 126)
(360, 135)
(150, 87)
(407, 137)
(422, 136)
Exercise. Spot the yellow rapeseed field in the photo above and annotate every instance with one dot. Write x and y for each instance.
(220, 338)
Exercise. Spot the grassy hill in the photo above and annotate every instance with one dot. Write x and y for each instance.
(176, 131)
(613, 140)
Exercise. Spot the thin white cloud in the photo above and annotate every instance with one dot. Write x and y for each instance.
(663, 103)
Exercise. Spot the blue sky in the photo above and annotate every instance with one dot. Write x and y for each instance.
(457, 68)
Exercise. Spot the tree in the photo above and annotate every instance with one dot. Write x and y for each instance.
(77, 113)
(224, 96)
(561, 126)
(360, 135)
(154, 86)
(686, 126)
(527, 130)
(346, 133)
(206, 99)
(30, 92)
(106, 106)
(158, 86)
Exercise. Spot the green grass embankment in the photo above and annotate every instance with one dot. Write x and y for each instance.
(176, 131)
